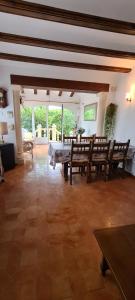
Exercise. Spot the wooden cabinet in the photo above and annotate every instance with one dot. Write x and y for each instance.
(7, 156)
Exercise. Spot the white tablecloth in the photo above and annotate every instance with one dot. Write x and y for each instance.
(60, 152)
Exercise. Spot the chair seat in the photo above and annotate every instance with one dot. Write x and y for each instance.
(117, 159)
(99, 161)
(78, 162)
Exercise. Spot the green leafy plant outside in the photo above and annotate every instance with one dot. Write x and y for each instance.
(110, 117)
(54, 117)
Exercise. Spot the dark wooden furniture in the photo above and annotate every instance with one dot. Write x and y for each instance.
(79, 158)
(118, 248)
(100, 139)
(7, 156)
(98, 162)
(118, 154)
(86, 139)
(69, 139)
(1, 170)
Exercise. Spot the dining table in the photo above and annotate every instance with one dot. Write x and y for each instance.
(118, 247)
(60, 152)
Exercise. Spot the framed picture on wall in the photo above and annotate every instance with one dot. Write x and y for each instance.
(90, 112)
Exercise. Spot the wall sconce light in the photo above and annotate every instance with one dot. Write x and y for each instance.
(128, 97)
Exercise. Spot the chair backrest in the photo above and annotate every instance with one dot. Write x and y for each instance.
(69, 139)
(100, 151)
(80, 151)
(119, 150)
(100, 139)
(86, 139)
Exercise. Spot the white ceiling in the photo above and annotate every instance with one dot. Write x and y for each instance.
(41, 95)
(65, 33)
(120, 9)
(116, 9)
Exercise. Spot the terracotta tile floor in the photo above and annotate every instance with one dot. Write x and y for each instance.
(47, 247)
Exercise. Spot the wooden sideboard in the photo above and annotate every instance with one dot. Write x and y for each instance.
(7, 156)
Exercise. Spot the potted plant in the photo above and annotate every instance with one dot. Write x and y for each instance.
(80, 131)
(110, 118)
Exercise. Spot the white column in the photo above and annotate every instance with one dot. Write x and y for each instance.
(33, 122)
(101, 113)
(62, 120)
(18, 129)
(47, 123)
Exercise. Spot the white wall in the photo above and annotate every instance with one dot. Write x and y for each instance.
(125, 122)
(5, 83)
(89, 126)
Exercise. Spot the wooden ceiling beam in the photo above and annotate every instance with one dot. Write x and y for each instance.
(35, 91)
(22, 90)
(72, 94)
(43, 43)
(60, 93)
(59, 84)
(61, 63)
(39, 11)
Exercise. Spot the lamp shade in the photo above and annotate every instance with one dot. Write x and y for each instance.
(3, 128)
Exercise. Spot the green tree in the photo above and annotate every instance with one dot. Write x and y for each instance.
(40, 116)
(26, 117)
(69, 121)
(54, 117)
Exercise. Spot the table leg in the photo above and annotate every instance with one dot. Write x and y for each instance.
(104, 266)
(66, 171)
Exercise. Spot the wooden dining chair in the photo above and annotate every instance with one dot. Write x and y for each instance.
(100, 139)
(28, 147)
(86, 139)
(69, 139)
(99, 156)
(118, 155)
(80, 153)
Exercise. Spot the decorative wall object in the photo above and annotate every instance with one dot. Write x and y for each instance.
(90, 112)
(110, 117)
(3, 98)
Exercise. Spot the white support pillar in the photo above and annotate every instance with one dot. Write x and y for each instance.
(18, 129)
(47, 128)
(62, 119)
(33, 122)
(101, 113)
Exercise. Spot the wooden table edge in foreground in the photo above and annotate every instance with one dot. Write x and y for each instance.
(120, 263)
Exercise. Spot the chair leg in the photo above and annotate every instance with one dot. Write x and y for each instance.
(71, 175)
(88, 173)
(66, 171)
(105, 170)
(110, 170)
(123, 169)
